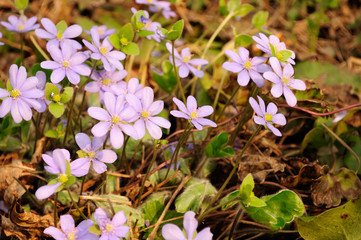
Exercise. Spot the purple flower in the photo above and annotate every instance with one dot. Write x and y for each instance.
(115, 119)
(157, 6)
(246, 67)
(102, 31)
(192, 113)
(69, 231)
(111, 229)
(147, 111)
(283, 80)
(67, 62)
(149, 26)
(51, 33)
(40, 75)
(267, 117)
(1, 35)
(172, 232)
(184, 62)
(90, 153)
(111, 59)
(22, 96)
(60, 165)
(104, 81)
(133, 87)
(21, 24)
(265, 44)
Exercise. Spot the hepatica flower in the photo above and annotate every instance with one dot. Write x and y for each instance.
(147, 111)
(1, 35)
(21, 97)
(159, 6)
(103, 31)
(67, 62)
(272, 46)
(115, 119)
(283, 80)
(58, 164)
(267, 116)
(69, 231)
(184, 62)
(246, 67)
(90, 153)
(192, 113)
(55, 36)
(20, 24)
(110, 59)
(111, 229)
(149, 25)
(172, 232)
(132, 87)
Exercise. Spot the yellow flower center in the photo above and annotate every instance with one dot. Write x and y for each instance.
(59, 36)
(66, 64)
(150, 1)
(20, 27)
(71, 236)
(56, 98)
(63, 178)
(91, 154)
(103, 50)
(100, 31)
(145, 114)
(194, 114)
(124, 41)
(247, 65)
(285, 80)
(186, 59)
(106, 81)
(116, 119)
(108, 227)
(15, 93)
(268, 117)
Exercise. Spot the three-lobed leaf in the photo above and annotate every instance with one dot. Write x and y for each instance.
(217, 147)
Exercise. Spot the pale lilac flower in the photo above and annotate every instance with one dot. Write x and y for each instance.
(265, 43)
(69, 231)
(246, 67)
(40, 75)
(147, 111)
(56, 37)
(1, 35)
(20, 24)
(111, 229)
(283, 80)
(267, 117)
(157, 6)
(192, 113)
(103, 31)
(104, 81)
(22, 96)
(114, 119)
(90, 153)
(132, 87)
(184, 62)
(172, 232)
(110, 59)
(57, 164)
(67, 62)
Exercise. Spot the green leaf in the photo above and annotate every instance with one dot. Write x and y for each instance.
(216, 148)
(153, 207)
(61, 26)
(51, 134)
(25, 129)
(222, 8)
(66, 95)
(244, 10)
(63, 198)
(115, 41)
(246, 189)
(135, 20)
(57, 109)
(71, 181)
(194, 195)
(343, 222)
(50, 89)
(21, 4)
(260, 19)
(144, 33)
(68, 168)
(176, 31)
(281, 208)
(130, 49)
(233, 5)
(127, 32)
(111, 184)
(243, 41)
(283, 55)
(167, 81)
(350, 161)
(229, 197)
